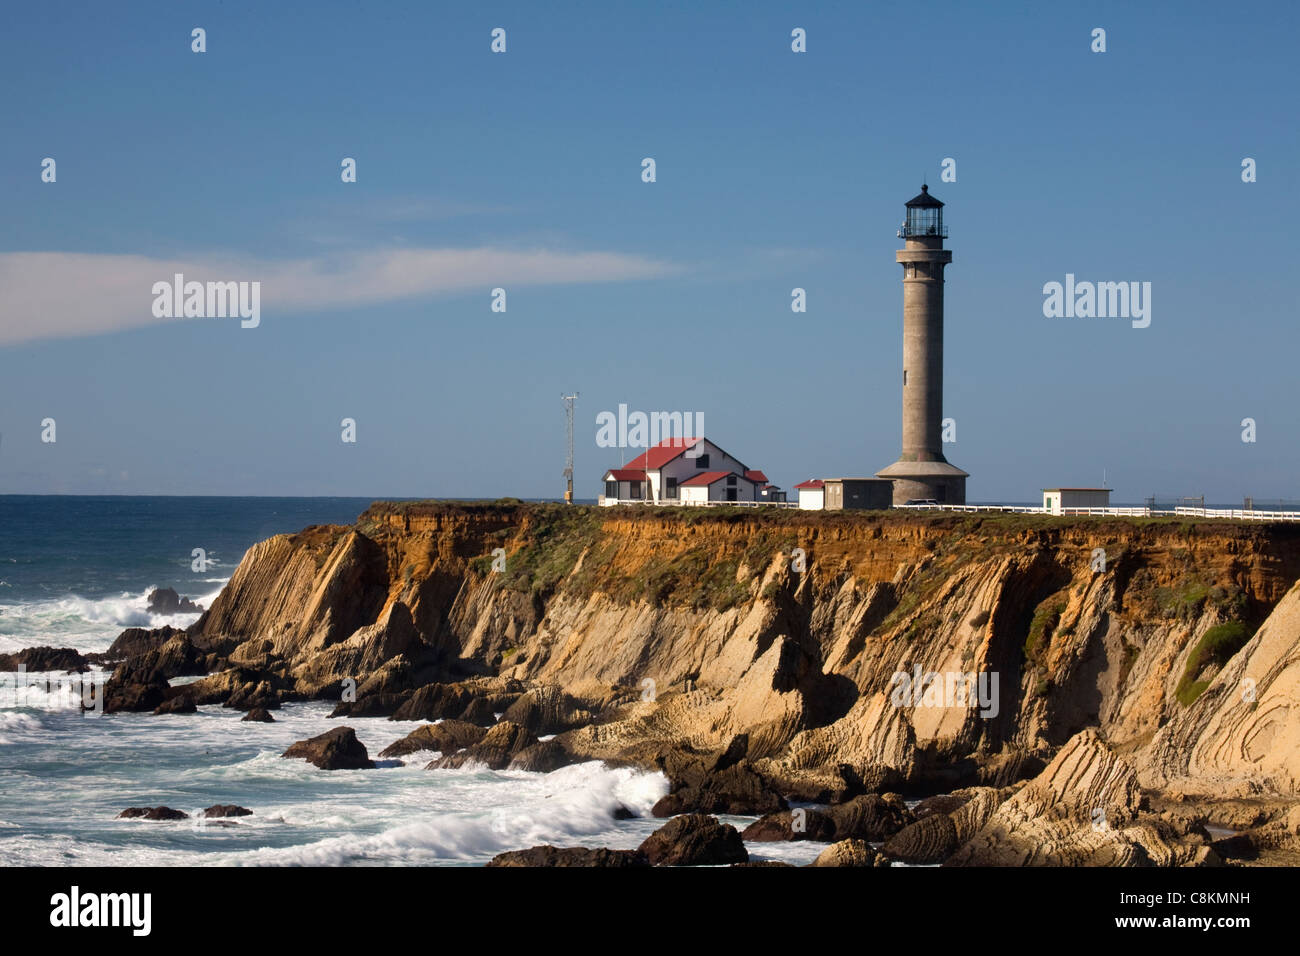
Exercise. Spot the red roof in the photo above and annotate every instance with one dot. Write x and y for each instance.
(662, 453)
(755, 475)
(707, 478)
(625, 474)
(812, 484)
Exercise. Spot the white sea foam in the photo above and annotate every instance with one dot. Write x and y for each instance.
(495, 812)
(63, 768)
(16, 724)
(53, 690)
(83, 623)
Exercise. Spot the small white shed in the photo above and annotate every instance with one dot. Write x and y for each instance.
(812, 494)
(1056, 499)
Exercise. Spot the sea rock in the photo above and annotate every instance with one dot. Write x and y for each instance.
(336, 749)
(495, 751)
(943, 823)
(175, 657)
(694, 839)
(849, 853)
(570, 856)
(446, 737)
(166, 601)
(869, 817)
(394, 676)
(542, 757)
(480, 712)
(371, 705)
(801, 824)
(259, 715)
(1080, 811)
(978, 809)
(227, 810)
(940, 803)
(135, 697)
(136, 641)
(141, 682)
(260, 694)
(152, 813)
(242, 688)
(697, 785)
(36, 659)
(434, 702)
(931, 839)
(180, 704)
(547, 710)
(826, 784)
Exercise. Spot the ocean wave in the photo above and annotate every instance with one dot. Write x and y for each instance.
(86, 624)
(14, 725)
(569, 806)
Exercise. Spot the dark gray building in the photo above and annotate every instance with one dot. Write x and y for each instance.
(857, 493)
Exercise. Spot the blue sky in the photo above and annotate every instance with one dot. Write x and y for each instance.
(775, 170)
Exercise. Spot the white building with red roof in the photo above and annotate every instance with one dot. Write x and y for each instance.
(687, 471)
(812, 494)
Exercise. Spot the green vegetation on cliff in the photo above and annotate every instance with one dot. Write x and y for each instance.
(1216, 647)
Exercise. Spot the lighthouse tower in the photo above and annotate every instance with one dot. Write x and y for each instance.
(922, 472)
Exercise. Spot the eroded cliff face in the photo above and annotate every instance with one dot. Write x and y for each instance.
(792, 628)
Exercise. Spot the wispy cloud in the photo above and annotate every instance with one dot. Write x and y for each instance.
(353, 219)
(47, 295)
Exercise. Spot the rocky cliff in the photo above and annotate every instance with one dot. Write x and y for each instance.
(806, 655)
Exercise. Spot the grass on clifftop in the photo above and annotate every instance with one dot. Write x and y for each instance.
(958, 522)
(693, 575)
(556, 539)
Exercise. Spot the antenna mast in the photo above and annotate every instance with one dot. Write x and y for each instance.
(568, 460)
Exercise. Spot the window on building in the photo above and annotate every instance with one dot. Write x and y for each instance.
(636, 490)
(731, 479)
(702, 463)
(611, 489)
(671, 491)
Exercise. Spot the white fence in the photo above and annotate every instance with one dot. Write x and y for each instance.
(1251, 515)
(678, 503)
(1238, 513)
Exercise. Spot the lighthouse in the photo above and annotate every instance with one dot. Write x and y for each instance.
(922, 472)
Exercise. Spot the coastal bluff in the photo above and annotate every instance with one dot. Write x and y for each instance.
(1039, 668)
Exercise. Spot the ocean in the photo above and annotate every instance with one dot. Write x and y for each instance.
(75, 571)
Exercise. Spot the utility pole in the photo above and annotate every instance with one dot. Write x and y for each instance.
(568, 460)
